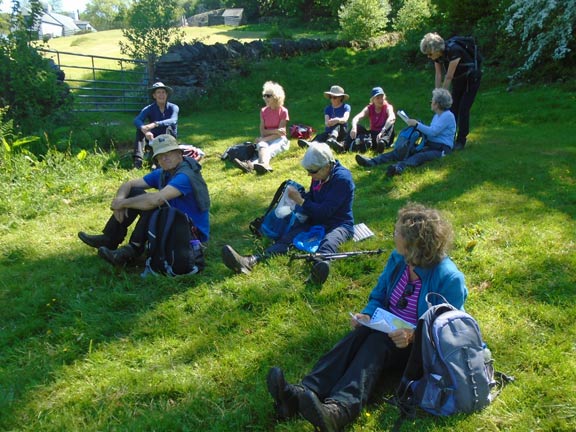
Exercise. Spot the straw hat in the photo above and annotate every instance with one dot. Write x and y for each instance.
(336, 90)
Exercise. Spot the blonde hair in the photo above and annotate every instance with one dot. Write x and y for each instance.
(277, 92)
(432, 43)
(427, 234)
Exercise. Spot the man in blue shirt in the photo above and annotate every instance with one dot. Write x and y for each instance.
(158, 118)
(179, 184)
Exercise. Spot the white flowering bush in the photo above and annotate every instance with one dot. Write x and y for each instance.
(545, 29)
(361, 20)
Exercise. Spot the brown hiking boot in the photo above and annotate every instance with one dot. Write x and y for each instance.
(118, 257)
(245, 166)
(236, 262)
(285, 395)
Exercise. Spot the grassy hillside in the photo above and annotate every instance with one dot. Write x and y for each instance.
(87, 347)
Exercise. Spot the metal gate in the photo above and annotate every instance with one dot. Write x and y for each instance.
(103, 84)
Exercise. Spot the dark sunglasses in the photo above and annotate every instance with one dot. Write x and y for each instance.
(267, 95)
(403, 301)
(313, 171)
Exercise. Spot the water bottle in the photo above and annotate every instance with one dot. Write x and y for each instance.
(196, 246)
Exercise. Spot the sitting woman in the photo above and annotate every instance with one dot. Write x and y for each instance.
(344, 380)
(381, 116)
(439, 137)
(272, 140)
(336, 117)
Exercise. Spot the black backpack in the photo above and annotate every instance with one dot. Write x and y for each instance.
(473, 64)
(172, 248)
(450, 369)
(245, 151)
(269, 224)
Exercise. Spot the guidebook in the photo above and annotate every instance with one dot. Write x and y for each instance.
(384, 321)
(402, 114)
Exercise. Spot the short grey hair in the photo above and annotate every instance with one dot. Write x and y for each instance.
(442, 97)
(317, 156)
(432, 43)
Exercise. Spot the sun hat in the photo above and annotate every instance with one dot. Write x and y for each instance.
(317, 156)
(159, 85)
(336, 90)
(163, 144)
(376, 91)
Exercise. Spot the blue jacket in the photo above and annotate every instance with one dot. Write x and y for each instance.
(330, 203)
(444, 279)
(168, 118)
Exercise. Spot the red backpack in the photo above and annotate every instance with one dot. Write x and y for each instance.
(301, 132)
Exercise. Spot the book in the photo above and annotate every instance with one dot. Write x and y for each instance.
(384, 321)
(402, 114)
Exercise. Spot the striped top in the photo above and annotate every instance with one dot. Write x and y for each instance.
(406, 293)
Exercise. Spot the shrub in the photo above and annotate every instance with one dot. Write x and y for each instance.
(362, 20)
(413, 14)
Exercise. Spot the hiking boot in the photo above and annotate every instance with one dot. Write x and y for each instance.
(392, 171)
(458, 145)
(118, 257)
(326, 417)
(236, 262)
(285, 395)
(245, 166)
(96, 241)
(261, 168)
(320, 272)
(138, 163)
(364, 161)
(302, 143)
(335, 145)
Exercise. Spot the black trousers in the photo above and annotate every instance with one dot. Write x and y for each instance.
(463, 95)
(351, 371)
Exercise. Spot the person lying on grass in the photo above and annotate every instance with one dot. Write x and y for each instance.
(344, 380)
(327, 203)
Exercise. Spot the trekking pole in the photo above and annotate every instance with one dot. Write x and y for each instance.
(334, 256)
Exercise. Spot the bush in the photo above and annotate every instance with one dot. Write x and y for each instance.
(362, 20)
(413, 14)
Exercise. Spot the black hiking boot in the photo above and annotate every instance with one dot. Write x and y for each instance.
(118, 257)
(285, 395)
(236, 262)
(96, 241)
(320, 271)
(364, 161)
(326, 417)
(245, 166)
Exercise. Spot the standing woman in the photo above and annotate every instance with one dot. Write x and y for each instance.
(455, 67)
(272, 140)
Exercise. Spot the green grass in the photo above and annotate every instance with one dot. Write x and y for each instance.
(86, 347)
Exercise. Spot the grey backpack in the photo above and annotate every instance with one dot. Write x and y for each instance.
(450, 369)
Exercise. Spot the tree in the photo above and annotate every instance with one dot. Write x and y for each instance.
(362, 20)
(151, 30)
(106, 14)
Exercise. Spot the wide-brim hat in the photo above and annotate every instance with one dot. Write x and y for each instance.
(336, 91)
(377, 91)
(159, 85)
(164, 144)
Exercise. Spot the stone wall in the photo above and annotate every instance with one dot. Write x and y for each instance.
(189, 68)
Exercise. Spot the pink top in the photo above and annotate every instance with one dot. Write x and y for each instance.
(272, 117)
(410, 312)
(378, 120)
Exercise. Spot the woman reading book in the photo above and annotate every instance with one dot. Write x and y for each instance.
(344, 379)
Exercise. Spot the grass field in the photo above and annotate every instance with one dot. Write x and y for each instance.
(87, 347)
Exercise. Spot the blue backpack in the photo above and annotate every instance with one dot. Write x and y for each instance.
(409, 141)
(450, 369)
(275, 222)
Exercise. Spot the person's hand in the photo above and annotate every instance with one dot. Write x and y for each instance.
(411, 122)
(358, 317)
(149, 136)
(402, 337)
(294, 195)
(353, 133)
(119, 215)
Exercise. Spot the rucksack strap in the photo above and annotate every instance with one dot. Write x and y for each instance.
(501, 380)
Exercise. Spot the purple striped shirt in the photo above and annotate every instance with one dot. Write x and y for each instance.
(410, 312)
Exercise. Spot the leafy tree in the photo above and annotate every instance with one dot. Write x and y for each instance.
(412, 15)
(362, 20)
(545, 29)
(106, 14)
(151, 30)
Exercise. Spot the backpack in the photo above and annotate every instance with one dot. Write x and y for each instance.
(450, 369)
(409, 141)
(473, 65)
(280, 216)
(172, 248)
(245, 151)
(301, 131)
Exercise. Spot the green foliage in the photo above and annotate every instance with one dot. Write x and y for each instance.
(546, 32)
(106, 14)
(29, 86)
(413, 15)
(361, 20)
(151, 30)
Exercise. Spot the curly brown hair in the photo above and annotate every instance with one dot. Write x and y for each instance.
(427, 234)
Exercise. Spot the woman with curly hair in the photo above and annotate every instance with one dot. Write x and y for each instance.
(344, 380)
(272, 140)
